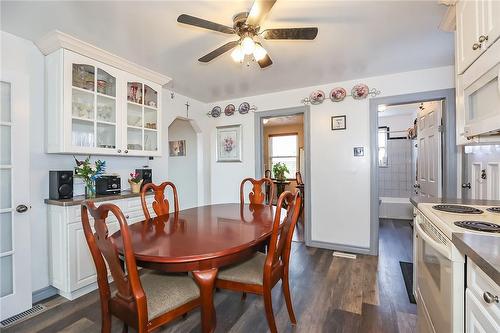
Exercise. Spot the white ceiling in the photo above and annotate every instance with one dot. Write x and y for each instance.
(399, 110)
(356, 39)
(284, 121)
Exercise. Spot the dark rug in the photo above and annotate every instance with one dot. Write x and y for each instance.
(407, 270)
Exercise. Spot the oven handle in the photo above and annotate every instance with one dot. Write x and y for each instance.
(440, 247)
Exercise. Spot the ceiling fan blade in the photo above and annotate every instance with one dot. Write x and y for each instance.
(217, 52)
(265, 62)
(291, 33)
(198, 22)
(259, 10)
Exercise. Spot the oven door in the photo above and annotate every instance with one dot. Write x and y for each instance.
(434, 278)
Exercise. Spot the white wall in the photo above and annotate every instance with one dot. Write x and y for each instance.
(22, 56)
(340, 183)
(398, 123)
(182, 170)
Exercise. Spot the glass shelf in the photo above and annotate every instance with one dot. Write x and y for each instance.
(82, 104)
(83, 76)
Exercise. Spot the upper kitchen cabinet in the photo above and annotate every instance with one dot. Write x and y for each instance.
(98, 103)
(478, 26)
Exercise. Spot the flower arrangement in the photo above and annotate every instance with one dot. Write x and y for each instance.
(279, 170)
(89, 172)
(228, 144)
(135, 182)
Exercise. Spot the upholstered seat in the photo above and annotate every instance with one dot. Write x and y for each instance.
(250, 271)
(165, 292)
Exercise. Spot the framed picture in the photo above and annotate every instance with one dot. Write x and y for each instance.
(338, 123)
(229, 143)
(177, 148)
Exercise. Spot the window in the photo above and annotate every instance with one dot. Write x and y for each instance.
(383, 133)
(283, 149)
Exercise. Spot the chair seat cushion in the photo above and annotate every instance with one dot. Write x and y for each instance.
(165, 292)
(250, 271)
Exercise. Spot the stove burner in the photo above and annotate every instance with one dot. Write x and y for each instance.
(458, 209)
(493, 209)
(478, 226)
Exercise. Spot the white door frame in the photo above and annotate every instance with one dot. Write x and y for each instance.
(21, 298)
(449, 152)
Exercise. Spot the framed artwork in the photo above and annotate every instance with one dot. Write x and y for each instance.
(228, 143)
(338, 123)
(177, 148)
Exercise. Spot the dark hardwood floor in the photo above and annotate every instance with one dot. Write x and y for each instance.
(330, 294)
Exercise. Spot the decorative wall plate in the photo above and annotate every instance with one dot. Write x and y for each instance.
(216, 111)
(229, 110)
(360, 91)
(338, 94)
(317, 97)
(244, 108)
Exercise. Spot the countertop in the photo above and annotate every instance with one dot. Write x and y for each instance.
(77, 200)
(484, 250)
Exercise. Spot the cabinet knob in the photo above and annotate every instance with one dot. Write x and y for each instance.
(126, 151)
(482, 39)
(119, 151)
(490, 298)
(476, 46)
(127, 216)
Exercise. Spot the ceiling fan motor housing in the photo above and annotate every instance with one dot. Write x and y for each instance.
(243, 29)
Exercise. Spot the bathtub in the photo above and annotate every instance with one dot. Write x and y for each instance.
(395, 208)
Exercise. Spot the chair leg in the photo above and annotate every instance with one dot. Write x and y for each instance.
(288, 298)
(125, 328)
(243, 296)
(106, 323)
(268, 305)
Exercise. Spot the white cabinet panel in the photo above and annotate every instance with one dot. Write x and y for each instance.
(477, 319)
(468, 27)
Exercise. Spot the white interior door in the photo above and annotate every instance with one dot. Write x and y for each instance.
(429, 149)
(15, 239)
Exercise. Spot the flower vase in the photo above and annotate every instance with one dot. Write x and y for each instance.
(135, 187)
(90, 189)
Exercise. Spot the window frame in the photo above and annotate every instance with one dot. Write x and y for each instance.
(387, 138)
(270, 156)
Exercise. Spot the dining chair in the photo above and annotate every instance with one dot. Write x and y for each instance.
(267, 174)
(143, 302)
(260, 274)
(256, 196)
(298, 178)
(161, 206)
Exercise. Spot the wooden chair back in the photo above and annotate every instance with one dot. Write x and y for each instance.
(298, 178)
(282, 234)
(161, 206)
(257, 195)
(130, 297)
(267, 174)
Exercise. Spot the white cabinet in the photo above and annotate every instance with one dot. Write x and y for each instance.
(72, 269)
(94, 108)
(478, 26)
(482, 309)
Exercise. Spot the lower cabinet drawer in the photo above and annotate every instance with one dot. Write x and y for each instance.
(477, 317)
(484, 289)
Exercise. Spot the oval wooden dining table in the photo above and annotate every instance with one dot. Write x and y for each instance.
(201, 240)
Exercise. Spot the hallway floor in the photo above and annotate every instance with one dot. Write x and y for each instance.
(330, 294)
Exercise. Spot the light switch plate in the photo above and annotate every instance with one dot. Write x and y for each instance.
(359, 151)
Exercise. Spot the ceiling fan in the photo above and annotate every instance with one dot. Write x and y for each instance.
(247, 26)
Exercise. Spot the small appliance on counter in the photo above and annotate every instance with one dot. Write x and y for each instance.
(60, 185)
(108, 184)
(146, 175)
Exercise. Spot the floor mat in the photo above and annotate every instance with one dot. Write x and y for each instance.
(407, 270)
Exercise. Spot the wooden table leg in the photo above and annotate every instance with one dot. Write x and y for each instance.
(206, 280)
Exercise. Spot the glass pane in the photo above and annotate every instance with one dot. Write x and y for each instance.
(134, 139)
(382, 157)
(134, 115)
(285, 145)
(106, 136)
(6, 232)
(150, 96)
(5, 101)
(106, 83)
(134, 92)
(6, 280)
(83, 104)
(290, 162)
(382, 137)
(5, 144)
(482, 101)
(150, 140)
(83, 133)
(83, 76)
(150, 119)
(106, 109)
(5, 189)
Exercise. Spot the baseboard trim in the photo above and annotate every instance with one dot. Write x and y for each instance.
(44, 293)
(340, 247)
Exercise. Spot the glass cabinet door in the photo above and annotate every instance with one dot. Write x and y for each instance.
(142, 117)
(93, 103)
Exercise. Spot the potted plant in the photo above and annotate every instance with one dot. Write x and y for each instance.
(279, 170)
(135, 182)
(89, 172)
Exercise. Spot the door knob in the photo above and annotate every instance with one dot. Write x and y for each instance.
(416, 186)
(476, 46)
(482, 39)
(21, 208)
(466, 185)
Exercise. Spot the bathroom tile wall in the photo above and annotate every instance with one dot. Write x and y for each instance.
(395, 180)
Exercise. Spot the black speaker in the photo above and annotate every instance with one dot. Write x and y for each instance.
(146, 175)
(60, 185)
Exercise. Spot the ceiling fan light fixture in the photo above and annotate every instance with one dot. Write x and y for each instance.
(259, 52)
(238, 55)
(248, 45)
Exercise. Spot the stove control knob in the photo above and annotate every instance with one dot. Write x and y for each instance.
(490, 298)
